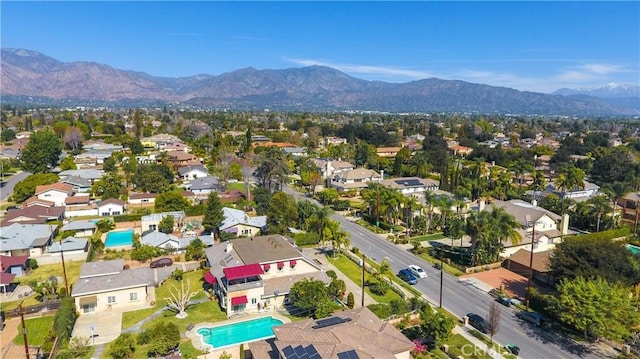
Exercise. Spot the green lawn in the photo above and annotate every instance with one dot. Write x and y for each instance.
(354, 273)
(447, 268)
(29, 301)
(37, 330)
(240, 186)
(195, 278)
(45, 271)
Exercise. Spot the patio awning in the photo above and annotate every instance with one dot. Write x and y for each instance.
(210, 278)
(88, 300)
(239, 300)
(280, 265)
(266, 267)
(245, 271)
(292, 262)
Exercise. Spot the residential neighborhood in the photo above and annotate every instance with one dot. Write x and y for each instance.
(305, 228)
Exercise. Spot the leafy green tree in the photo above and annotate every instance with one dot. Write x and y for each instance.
(596, 307)
(171, 201)
(164, 336)
(213, 215)
(105, 225)
(109, 186)
(309, 294)
(595, 258)
(436, 324)
(109, 164)
(351, 302)
(166, 224)
(151, 181)
(41, 153)
(123, 347)
(337, 287)
(7, 135)
(328, 195)
(282, 213)
(195, 250)
(27, 187)
(68, 163)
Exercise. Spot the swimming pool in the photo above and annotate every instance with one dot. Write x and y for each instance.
(633, 249)
(241, 332)
(119, 238)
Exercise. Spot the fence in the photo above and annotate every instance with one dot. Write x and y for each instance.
(33, 309)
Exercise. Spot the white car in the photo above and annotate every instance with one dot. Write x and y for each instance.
(417, 271)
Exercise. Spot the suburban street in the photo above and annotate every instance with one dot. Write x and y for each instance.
(460, 298)
(7, 189)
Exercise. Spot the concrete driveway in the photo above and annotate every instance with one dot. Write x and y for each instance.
(107, 326)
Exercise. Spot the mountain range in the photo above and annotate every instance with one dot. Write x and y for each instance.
(29, 76)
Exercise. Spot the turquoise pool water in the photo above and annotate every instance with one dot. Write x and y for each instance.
(119, 238)
(240, 332)
(633, 249)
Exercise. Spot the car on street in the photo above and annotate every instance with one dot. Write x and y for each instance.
(504, 300)
(512, 348)
(534, 318)
(478, 322)
(407, 276)
(162, 262)
(417, 271)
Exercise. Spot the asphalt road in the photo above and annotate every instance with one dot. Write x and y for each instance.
(7, 189)
(460, 298)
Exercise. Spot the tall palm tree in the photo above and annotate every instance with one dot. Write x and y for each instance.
(615, 191)
(600, 206)
(505, 228)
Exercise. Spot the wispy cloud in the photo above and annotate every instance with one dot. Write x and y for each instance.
(585, 74)
(389, 72)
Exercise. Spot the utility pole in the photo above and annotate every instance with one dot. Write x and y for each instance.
(64, 268)
(24, 331)
(533, 237)
(364, 262)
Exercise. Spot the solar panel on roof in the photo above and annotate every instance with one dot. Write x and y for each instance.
(351, 354)
(323, 323)
(289, 353)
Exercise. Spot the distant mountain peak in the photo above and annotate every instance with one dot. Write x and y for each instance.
(610, 90)
(30, 74)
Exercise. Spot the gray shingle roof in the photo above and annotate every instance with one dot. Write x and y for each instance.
(78, 225)
(234, 217)
(101, 268)
(23, 236)
(132, 278)
(69, 244)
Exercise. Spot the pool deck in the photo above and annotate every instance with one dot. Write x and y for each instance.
(196, 339)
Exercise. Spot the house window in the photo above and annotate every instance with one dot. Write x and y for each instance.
(115, 213)
(47, 194)
(153, 227)
(133, 296)
(144, 201)
(254, 301)
(111, 299)
(550, 241)
(535, 245)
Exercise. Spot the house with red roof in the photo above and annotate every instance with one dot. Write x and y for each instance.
(250, 275)
(11, 267)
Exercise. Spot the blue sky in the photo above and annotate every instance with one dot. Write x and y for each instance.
(532, 46)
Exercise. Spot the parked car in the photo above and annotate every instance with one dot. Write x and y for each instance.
(534, 318)
(162, 262)
(406, 276)
(504, 300)
(417, 271)
(478, 322)
(512, 348)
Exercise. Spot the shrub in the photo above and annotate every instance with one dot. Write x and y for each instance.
(381, 310)
(33, 264)
(306, 239)
(351, 300)
(177, 274)
(355, 250)
(332, 274)
(379, 288)
(65, 319)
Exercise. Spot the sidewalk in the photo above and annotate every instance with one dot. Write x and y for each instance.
(476, 342)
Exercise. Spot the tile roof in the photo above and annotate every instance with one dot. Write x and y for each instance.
(33, 215)
(61, 187)
(541, 260)
(356, 329)
(119, 202)
(10, 261)
(136, 195)
(77, 200)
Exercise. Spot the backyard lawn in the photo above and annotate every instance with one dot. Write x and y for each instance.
(354, 272)
(37, 330)
(195, 278)
(43, 272)
(240, 186)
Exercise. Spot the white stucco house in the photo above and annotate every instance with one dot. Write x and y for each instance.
(111, 207)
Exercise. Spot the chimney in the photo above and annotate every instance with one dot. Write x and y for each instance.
(229, 247)
(481, 205)
(381, 175)
(564, 224)
(534, 203)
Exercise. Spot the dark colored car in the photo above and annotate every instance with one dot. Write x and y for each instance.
(478, 322)
(512, 348)
(504, 300)
(162, 262)
(406, 276)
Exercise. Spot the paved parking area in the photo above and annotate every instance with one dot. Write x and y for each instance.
(107, 326)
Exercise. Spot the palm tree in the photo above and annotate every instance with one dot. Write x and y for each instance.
(505, 226)
(601, 206)
(429, 199)
(384, 270)
(615, 191)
